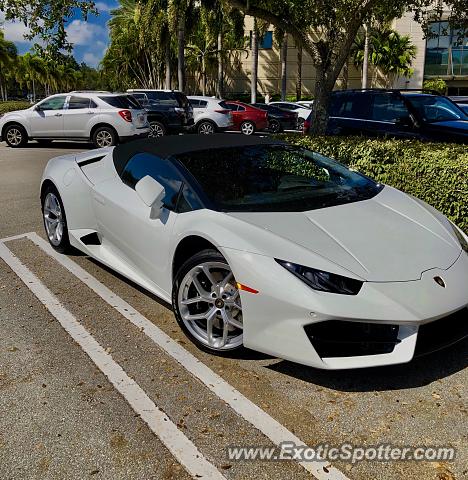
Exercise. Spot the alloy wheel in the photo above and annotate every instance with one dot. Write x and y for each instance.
(156, 130)
(210, 306)
(247, 128)
(104, 139)
(206, 128)
(53, 219)
(14, 136)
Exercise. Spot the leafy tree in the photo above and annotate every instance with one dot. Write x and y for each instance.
(437, 84)
(46, 20)
(8, 54)
(326, 29)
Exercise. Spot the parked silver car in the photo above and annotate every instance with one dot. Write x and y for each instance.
(102, 117)
(210, 115)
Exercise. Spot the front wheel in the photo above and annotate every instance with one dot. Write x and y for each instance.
(207, 303)
(247, 127)
(16, 136)
(275, 126)
(55, 220)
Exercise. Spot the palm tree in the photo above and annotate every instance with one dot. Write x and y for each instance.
(8, 55)
(299, 73)
(389, 52)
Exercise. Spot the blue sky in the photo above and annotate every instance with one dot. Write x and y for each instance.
(90, 38)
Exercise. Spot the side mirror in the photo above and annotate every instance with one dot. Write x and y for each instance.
(152, 193)
(38, 108)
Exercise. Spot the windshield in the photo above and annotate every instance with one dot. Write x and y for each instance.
(436, 109)
(275, 178)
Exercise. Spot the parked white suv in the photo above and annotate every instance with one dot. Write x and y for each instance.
(102, 117)
(210, 115)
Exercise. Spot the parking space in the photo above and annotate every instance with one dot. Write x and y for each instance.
(96, 379)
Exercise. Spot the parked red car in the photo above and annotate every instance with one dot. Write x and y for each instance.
(246, 118)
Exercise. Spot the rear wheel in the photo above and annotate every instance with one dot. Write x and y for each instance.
(55, 220)
(247, 127)
(104, 137)
(206, 127)
(16, 136)
(157, 129)
(300, 124)
(207, 303)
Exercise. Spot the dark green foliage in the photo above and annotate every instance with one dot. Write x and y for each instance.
(13, 105)
(437, 173)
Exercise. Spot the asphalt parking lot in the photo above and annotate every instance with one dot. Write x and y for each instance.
(98, 381)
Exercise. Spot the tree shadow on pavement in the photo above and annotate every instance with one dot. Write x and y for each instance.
(419, 372)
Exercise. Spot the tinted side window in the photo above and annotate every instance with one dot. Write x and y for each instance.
(388, 108)
(229, 106)
(163, 171)
(357, 106)
(55, 103)
(240, 108)
(163, 98)
(194, 103)
(122, 101)
(188, 201)
(78, 102)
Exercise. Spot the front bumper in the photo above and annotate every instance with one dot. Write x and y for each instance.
(280, 318)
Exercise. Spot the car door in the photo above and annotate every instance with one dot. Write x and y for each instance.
(47, 117)
(390, 116)
(349, 114)
(77, 115)
(125, 222)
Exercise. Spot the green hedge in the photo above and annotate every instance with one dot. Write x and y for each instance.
(434, 172)
(13, 105)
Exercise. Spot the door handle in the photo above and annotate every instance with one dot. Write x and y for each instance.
(58, 115)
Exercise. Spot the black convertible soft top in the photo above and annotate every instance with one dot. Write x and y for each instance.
(165, 147)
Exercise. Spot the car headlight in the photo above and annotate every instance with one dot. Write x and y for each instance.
(323, 281)
(460, 237)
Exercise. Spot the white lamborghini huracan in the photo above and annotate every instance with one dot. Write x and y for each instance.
(266, 245)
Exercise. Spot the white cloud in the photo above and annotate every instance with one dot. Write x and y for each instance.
(91, 59)
(83, 33)
(105, 7)
(14, 31)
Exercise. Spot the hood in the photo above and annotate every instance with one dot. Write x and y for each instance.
(460, 126)
(389, 238)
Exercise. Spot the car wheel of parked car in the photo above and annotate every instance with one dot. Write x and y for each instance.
(274, 126)
(207, 303)
(247, 127)
(104, 137)
(157, 129)
(300, 124)
(55, 220)
(16, 136)
(206, 128)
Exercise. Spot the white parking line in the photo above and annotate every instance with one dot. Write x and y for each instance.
(176, 442)
(265, 423)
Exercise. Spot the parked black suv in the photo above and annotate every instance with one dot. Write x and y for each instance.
(397, 113)
(169, 111)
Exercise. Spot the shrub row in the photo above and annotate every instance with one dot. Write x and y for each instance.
(10, 106)
(437, 173)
